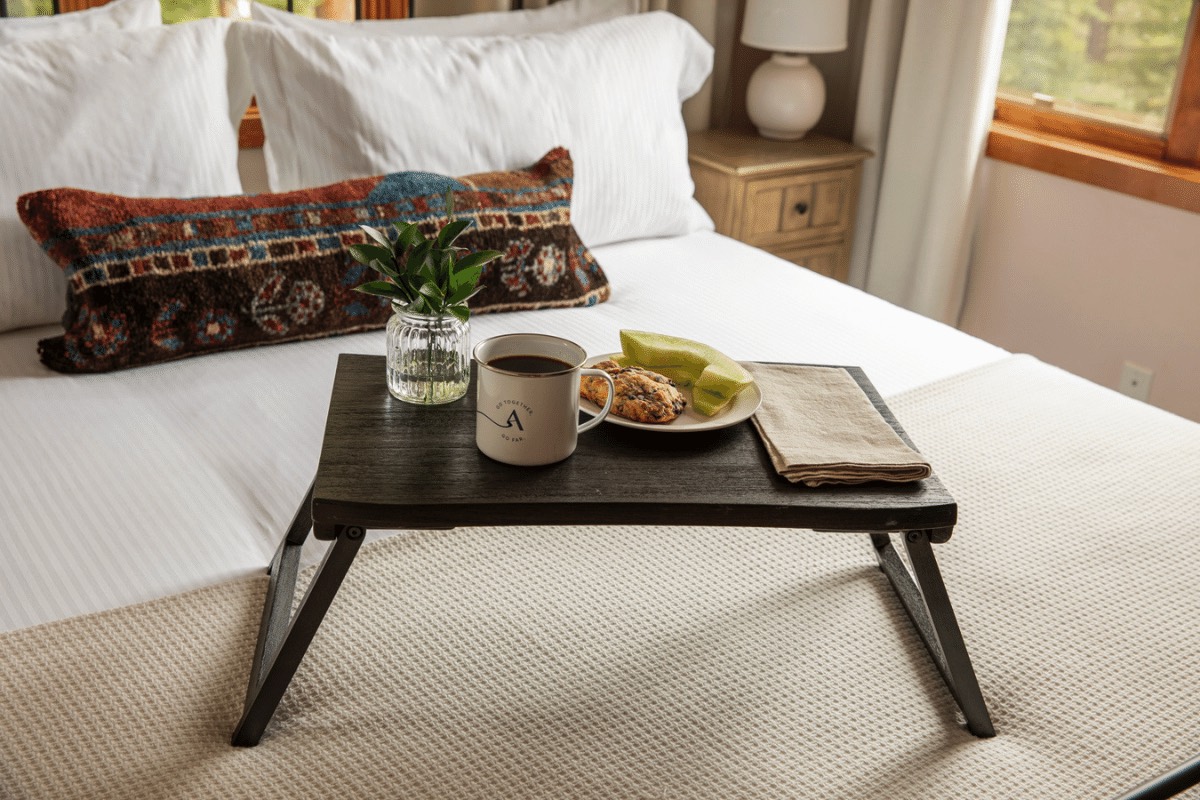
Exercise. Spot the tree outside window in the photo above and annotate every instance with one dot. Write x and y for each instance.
(1112, 60)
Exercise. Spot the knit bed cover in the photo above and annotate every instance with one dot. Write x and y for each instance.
(135, 485)
(625, 662)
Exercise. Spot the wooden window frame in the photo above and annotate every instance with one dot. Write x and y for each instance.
(1163, 169)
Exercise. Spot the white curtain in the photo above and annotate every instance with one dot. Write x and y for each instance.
(924, 105)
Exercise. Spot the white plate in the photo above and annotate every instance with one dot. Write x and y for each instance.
(744, 404)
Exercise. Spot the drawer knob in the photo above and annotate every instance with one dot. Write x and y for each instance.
(801, 208)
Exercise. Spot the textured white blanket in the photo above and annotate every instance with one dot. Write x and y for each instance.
(134, 485)
(686, 662)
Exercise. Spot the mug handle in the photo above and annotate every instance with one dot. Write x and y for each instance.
(612, 392)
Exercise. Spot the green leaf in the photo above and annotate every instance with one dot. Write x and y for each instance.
(463, 293)
(409, 234)
(427, 274)
(418, 257)
(358, 255)
(378, 236)
(444, 261)
(380, 289)
(366, 253)
(433, 293)
(452, 231)
(460, 311)
(385, 269)
(450, 203)
(468, 276)
(478, 259)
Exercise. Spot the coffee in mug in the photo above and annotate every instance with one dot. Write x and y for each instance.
(527, 398)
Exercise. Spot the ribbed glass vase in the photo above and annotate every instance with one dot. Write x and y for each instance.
(428, 358)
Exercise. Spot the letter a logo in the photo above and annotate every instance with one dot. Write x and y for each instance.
(513, 419)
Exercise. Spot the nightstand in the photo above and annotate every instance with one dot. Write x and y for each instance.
(794, 199)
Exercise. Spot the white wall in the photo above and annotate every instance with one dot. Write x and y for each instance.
(1086, 279)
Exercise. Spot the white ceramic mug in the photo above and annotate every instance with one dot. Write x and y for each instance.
(527, 398)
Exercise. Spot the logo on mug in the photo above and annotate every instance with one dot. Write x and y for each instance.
(527, 398)
(513, 420)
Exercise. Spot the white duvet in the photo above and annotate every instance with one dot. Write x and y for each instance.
(132, 485)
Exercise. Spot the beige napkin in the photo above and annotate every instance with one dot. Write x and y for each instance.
(820, 427)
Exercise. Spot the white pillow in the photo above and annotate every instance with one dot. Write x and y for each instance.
(118, 15)
(336, 108)
(561, 16)
(142, 113)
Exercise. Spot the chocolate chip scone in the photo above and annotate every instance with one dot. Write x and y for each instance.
(642, 395)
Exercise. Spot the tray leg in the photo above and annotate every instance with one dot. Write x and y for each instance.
(1169, 784)
(283, 638)
(924, 597)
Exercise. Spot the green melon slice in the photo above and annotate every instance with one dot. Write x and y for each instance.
(714, 378)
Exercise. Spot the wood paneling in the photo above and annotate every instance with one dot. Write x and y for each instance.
(78, 5)
(250, 134)
(383, 9)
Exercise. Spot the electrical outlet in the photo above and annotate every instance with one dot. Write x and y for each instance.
(1135, 381)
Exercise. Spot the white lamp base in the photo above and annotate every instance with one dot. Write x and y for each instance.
(785, 97)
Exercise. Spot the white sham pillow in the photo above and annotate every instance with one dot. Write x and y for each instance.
(117, 15)
(561, 16)
(336, 108)
(149, 113)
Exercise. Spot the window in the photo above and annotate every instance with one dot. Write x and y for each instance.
(1104, 91)
(182, 10)
(1114, 62)
(29, 8)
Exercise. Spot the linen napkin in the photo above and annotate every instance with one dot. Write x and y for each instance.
(820, 428)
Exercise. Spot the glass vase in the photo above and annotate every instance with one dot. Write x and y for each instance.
(428, 357)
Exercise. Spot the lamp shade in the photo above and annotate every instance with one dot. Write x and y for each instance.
(796, 26)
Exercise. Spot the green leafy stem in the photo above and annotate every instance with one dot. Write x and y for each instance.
(430, 275)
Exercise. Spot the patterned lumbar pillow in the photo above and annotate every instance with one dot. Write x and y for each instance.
(152, 280)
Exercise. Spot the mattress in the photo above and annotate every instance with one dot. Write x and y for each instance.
(128, 486)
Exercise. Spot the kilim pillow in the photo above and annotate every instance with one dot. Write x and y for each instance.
(152, 280)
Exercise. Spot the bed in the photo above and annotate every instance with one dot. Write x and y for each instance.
(160, 492)
(213, 519)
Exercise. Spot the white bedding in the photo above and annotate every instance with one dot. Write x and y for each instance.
(127, 486)
(705, 662)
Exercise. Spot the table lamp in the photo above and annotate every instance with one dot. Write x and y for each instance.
(786, 93)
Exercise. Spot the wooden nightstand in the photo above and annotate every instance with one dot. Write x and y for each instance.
(795, 199)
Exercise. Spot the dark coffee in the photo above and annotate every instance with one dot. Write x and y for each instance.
(530, 365)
